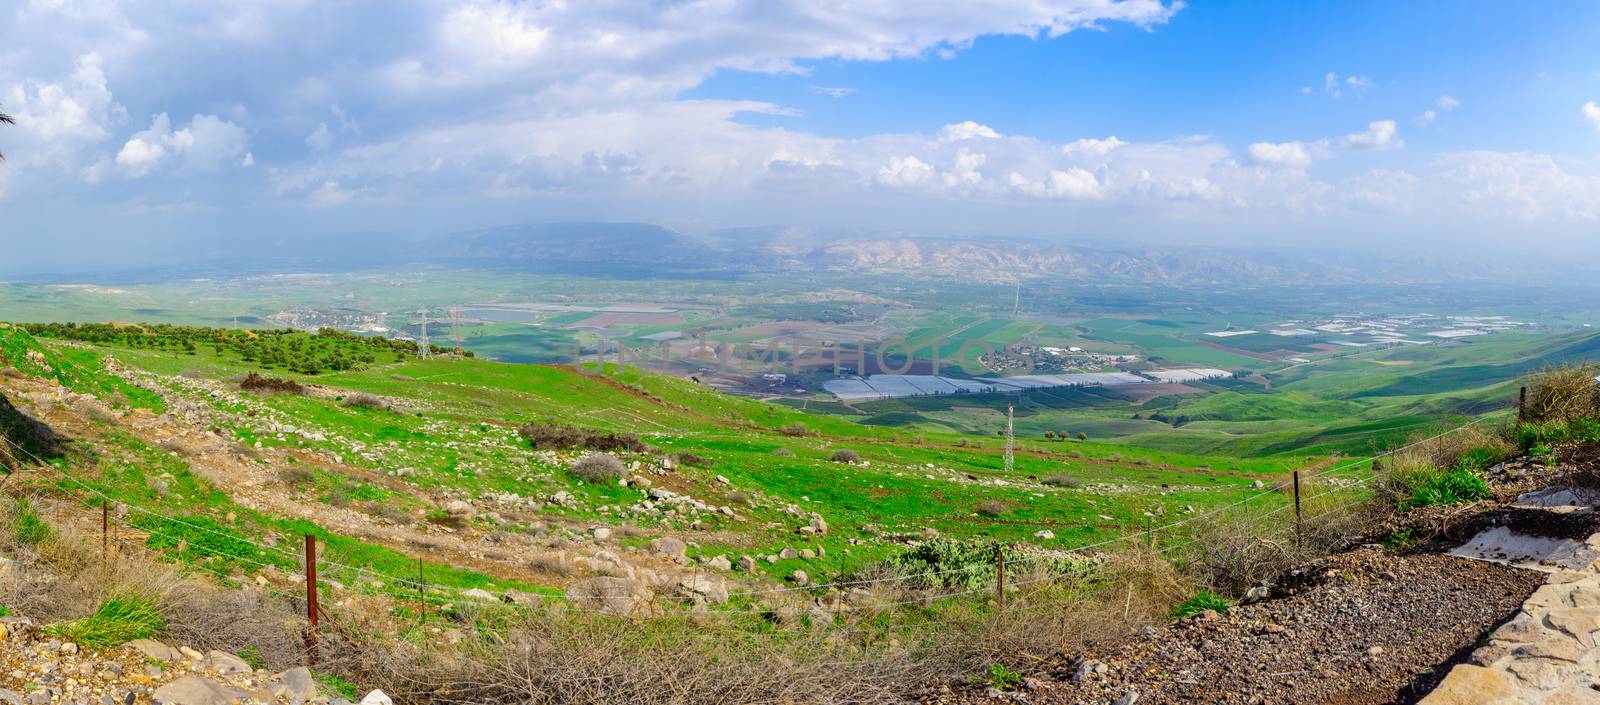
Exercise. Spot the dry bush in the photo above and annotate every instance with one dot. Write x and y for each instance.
(388, 511)
(991, 508)
(1563, 394)
(294, 475)
(783, 453)
(552, 564)
(1067, 481)
(561, 437)
(844, 456)
(1233, 550)
(690, 460)
(262, 384)
(362, 400)
(598, 468)
(795, 429)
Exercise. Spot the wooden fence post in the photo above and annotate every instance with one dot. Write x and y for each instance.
(422, 599)
(999, 574)
(1522, 404)
(312, 609)
(105, 531)
(1297, 528)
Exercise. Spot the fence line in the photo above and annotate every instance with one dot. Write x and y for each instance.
(459, 593)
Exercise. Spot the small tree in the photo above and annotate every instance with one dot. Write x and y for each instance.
(1083, 436)
(794, 429)
(1049, 435)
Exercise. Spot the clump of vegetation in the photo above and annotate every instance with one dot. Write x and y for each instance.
(262, 384)
(1200, 602)
(598, 468)
(295, 475)
(118, 620)
(26, 525)
(1067, 481)
(844, 455)
(991, 508)
(362, 400)
(795, 429)
(783, 453)
(1563, 394)
(691, 460)
(1001, 678)
(281, 348)
(1430, 486)
(970, 565)
(562, 437)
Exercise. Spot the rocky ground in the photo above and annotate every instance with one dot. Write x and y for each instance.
(38, 669)
(1369, 626)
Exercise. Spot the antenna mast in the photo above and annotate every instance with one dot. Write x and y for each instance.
(455, 321)
(423, 347)
(1011, 461)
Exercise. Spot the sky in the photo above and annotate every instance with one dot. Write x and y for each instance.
(147, 129)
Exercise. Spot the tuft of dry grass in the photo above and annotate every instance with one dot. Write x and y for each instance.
(1563, 394)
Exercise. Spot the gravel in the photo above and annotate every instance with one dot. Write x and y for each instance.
(1365, 627)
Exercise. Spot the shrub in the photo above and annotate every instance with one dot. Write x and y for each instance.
(262, 384)
(362, 400)
(295, 475)
(560, 437)
(991, 508)
(1563, 394)
(844, 456)
(118, 620)
(1200, 602)
(1454, 486)
(1062, 481)
(1001, 678)
(783, 453)
(1083, 436)
(794, 429)
(691, 460)
(598, 468)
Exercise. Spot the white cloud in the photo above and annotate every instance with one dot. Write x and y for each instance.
(832, 92)
(1292, 155)
(1379, 135)
(1446, 102)
(967, 130)
(320, 138)
(905, 171)
(1073, 184)
(204, 146)
(80, 109)
(1426, 118)
(1591, 112)
(249, 160)
(1335, 86)
(1092, 147)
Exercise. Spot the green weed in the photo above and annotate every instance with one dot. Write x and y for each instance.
(118, 620)
(1200, 602)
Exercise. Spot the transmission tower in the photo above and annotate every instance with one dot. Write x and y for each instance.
(455, 322)
(1011, 442)
(423, 346)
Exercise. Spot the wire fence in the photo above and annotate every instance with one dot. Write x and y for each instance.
(416, 590)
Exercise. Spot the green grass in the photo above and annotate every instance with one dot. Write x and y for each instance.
(118, 620)
(1200, 602)
(27, 527)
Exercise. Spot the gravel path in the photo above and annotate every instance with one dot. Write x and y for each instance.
(1366, 627)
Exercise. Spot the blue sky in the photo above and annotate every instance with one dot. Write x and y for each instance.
(1407, 124)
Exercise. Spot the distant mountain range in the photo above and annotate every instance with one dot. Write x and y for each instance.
(645, 250)
(637, 245)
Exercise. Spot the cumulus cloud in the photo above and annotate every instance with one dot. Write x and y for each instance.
(1379, 135)
(967, 130)
(1446, 102)
(204, 146)
(79, 109)
(1591, 112)
(1292, 155)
